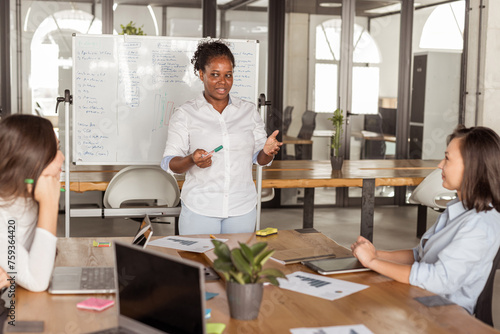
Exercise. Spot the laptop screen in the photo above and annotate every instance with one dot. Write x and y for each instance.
(160, 291)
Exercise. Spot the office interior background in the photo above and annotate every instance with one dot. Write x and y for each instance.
(412, 70)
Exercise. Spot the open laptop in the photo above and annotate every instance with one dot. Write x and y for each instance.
(157, 293)
(86, 280)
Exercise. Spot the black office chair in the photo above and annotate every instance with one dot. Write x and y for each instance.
(483, 309)
(287, 120)
(304, 152)
(374, 149)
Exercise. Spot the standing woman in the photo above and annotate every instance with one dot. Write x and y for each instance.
(28, 211)
(219, 194)
(454, 257)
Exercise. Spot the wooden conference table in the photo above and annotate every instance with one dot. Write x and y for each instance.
(385, 307)
(308, 174)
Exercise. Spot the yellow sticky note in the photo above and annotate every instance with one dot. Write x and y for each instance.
(215, 328)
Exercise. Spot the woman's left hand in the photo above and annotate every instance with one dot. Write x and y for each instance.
(272, 145)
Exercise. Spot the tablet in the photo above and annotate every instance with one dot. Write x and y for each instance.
(335, 265)
(144, 233)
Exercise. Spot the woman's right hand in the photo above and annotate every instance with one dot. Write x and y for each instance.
(201, 158)
(47, 190)
(364, 251)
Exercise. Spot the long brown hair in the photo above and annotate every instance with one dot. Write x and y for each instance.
(480, 149)
(27, 145)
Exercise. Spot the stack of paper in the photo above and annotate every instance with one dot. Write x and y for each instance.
(197, 245)
(319, 286)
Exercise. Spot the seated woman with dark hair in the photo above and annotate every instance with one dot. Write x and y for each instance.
(454, 257)
(29, 209)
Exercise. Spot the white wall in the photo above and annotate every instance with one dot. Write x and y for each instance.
(489, 100)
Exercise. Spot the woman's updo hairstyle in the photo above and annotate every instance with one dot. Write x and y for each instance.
(207, 50)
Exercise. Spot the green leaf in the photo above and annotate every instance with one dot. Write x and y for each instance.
(240, 262)
(247, 253)
(237, 277)
(263, 257)
(269, 279)
(258, 247)
(221, 250)
(272, 272)
(223, 265)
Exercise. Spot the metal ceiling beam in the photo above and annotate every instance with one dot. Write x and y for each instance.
(236, 4)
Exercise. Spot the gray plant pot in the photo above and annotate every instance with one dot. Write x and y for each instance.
(336, 162)
(244, 300)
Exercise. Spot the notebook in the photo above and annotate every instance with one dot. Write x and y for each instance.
(336, 265)
(87, 280)
(157, 293)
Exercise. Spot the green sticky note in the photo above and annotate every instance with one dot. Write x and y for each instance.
(215, 328)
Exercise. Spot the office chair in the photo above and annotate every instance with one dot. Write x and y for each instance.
(430, 193)
(483, 309)
(374, 149)
(304, 152)
(287, 119)
(267, 194)
(136, 186)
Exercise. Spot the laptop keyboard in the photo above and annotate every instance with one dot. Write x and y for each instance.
(97, 278)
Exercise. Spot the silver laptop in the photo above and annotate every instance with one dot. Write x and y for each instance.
(90, 280)
(157, 293)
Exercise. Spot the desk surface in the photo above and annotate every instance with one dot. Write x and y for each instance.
(292, 174)
(385, 307)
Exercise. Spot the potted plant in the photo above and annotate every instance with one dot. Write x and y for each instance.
(336, 140)
(242, 269)
(130, 29)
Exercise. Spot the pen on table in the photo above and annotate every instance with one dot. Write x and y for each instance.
(212, 236)
(215, 150)
(31, 181)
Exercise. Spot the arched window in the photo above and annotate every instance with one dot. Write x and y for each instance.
(444, 29)
(366, 56)
(51, 61)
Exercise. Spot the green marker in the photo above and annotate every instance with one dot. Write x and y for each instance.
(31, 181)
(217, 149)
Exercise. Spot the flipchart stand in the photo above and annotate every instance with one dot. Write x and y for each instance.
(98, 212)
(258, 178)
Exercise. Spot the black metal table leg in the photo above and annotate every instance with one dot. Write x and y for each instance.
(367, 208)
(308, 220)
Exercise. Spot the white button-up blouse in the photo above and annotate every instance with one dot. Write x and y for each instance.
(226, 188)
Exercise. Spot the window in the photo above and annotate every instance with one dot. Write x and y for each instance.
(444, 28)
(366, 56)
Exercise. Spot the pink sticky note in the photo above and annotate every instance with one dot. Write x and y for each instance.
(96, 304)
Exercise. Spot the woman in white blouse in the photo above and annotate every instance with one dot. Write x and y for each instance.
(219, 194)
(31, 162)
(455, 256)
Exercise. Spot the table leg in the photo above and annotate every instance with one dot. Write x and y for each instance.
(421, 220)
(308, 220)
(367, 208)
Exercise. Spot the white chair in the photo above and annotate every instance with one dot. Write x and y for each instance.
(267, 194)
(430, 193)
(140, 186)
(143, 186)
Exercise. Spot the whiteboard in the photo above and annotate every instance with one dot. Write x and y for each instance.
(125, 89)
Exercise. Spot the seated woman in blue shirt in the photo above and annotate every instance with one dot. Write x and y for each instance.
(454, 257)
